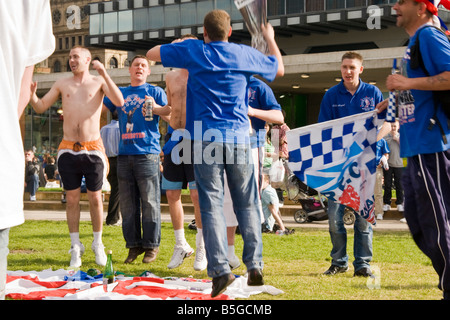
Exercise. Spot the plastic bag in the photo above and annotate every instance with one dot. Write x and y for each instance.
(276, 173)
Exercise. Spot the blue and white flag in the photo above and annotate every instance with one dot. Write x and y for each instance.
(337, 158)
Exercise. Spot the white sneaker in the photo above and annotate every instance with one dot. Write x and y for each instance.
(403, 220)
(179, 254)
(386, 207)
(76, 251)
(200, 262)
(100, 255)
(234, 262)
(32, 198)
(400, 208)
(379, 217)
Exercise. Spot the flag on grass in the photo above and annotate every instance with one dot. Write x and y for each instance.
(337, 158)
(67, 285)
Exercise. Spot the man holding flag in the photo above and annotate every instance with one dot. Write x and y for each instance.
(351, 96)
(425, 131)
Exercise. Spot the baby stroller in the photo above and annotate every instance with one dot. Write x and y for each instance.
(314, 205)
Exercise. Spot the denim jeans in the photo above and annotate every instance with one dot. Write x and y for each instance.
(4, 240)
(209, 176)
(362, 246)
(32, 184)
(138, 177)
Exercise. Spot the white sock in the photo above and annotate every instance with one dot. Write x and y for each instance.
(180, 240)
(97, 237)
(199, 242)
(75, 238)
(231, 250)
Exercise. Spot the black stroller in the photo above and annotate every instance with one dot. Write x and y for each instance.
(314, 205)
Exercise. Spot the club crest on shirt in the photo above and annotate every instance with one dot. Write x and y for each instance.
(367, 103)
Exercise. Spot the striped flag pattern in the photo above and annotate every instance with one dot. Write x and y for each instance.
(337, 158)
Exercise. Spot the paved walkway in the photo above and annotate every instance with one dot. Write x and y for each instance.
(288, 220)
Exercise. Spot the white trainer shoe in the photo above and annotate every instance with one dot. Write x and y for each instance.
(200, 262)
(386, 207)
(400, 208)
(234, 262)
(379, 217)
(100, 255)
(76, 251)
(179, 254)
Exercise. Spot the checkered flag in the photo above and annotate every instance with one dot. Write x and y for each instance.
(337, 158)
(391, 109)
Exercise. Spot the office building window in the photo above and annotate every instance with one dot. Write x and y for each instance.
(189, 16)
(156, 17)
(294, 6)
(110, 22)
(172, 16)
(276, 8)
(140, 21)
(225, 5)
(202, 9)
(96, 24)
(125, 21)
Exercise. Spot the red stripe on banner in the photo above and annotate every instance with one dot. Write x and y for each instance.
(163, 293)
(46, 284)
(39, 295)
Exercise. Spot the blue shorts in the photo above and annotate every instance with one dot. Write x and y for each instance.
(172, 185)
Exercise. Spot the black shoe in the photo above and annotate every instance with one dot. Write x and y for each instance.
(220, 284)
(335, 270)
(363, 272)
(255, 277)
(192, 225)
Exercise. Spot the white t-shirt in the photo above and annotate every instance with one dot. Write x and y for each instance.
(26, 38)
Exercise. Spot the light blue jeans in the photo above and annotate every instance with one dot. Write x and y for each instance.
(362, 246)
(138, 177)
(4, 240)
(209, 175)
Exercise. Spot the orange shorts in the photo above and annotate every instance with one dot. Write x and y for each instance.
(78, 159)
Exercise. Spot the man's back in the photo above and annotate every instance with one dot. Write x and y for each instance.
(176, 82)
(217, 86)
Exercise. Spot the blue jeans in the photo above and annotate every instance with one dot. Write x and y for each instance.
(362, 246)
(4, 240)
(138, 177)
(32, 184)
(209, 176)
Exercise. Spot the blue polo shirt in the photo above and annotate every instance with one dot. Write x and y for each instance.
(338, 102)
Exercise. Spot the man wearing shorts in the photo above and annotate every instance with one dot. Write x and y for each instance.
(81, 152)
(177, 175)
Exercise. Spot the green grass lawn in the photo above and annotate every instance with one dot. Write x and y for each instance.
(293, 263)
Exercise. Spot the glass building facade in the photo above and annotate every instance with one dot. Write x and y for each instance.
(139, 15)
(43, 131)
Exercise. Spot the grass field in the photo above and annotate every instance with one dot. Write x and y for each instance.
(293, 263)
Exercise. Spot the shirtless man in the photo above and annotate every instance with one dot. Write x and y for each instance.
(177, 176)
(81, 151)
